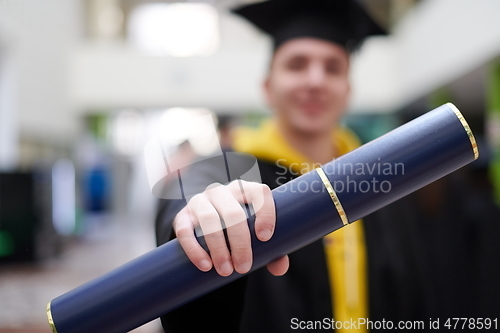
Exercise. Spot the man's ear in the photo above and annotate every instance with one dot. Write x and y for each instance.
(349, 95)
(347, 98)
(266, 88)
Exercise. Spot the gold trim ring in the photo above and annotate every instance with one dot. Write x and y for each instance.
(333, 195)
(49, 318)
(467, 129)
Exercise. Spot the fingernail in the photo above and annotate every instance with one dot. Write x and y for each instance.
(226, 268)
(205, 265)
(245, 267)
(265, 234)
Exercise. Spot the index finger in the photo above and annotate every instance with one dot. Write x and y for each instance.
(184, 230)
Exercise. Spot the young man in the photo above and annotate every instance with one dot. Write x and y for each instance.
(308, 89)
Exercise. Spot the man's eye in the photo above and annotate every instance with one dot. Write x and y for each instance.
(296, 64)
(333, 68)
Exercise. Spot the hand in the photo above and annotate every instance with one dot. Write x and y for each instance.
(224, 201)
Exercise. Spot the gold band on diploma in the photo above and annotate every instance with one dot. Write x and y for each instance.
(49, 318)
(467, 129)
(333, 195)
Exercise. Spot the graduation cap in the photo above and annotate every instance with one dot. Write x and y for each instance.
(344, 22)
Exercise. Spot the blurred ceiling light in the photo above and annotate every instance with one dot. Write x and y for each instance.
(177, 29)
(127, 130)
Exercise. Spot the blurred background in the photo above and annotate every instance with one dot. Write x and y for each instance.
(84, 84)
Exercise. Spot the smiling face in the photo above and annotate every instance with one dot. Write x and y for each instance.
(308, 85)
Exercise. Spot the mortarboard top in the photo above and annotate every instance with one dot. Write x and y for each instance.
(344, 22)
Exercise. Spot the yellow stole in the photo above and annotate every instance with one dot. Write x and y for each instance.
(345, 248)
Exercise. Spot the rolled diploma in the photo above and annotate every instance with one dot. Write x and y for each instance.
(307, 208)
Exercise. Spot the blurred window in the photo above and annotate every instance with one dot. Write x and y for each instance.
(176, 29)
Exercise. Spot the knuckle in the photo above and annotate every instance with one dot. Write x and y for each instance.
(214, 186)
(178, 220)
(234, 216)
(183, 232)
(195, 198)
(237, 182)
(257, 192)
(267, 216)
(192, 251)
(266, 188)
(218, 249)
(240, 242)
(207, 216)
(220, 256)
(241, 249)
(211, 229)
(196, 202)
(256, 186)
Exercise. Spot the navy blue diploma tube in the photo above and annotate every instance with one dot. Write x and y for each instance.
(309, 207)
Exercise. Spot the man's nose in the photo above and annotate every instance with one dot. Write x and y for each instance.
(316, 75)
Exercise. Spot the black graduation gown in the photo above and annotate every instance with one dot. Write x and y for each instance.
(433, 254)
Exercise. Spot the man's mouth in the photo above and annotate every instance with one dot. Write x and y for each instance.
(312, 108)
